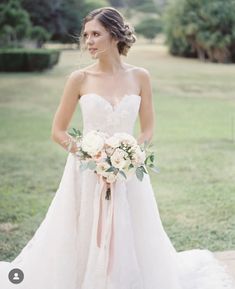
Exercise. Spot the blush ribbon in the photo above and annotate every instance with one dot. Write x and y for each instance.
(105, 232)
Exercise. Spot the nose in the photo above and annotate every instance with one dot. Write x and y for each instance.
(89, 40)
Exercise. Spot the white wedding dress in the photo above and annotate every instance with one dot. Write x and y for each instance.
(64, 252)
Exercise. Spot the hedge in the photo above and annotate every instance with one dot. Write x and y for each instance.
(13, 60)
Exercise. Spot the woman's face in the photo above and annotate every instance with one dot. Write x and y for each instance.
(97, 39)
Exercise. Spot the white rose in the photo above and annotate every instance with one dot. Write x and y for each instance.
(117, 158)
(101, 168)
(92, 143)
(100, 156)
(126, 138)
(139, 156)
(109, 151)
(113, 142)
(128, 172)
(111, 177)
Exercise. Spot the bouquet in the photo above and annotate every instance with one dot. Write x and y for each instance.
(115, 157)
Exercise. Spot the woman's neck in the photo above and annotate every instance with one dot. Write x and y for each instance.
(110, 64)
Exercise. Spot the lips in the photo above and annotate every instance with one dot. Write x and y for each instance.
(92, 49)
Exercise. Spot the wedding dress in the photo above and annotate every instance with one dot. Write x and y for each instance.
(134, 252)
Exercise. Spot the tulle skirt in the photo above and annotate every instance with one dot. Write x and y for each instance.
(88, 242)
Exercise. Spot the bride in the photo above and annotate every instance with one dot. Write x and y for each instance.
(63, 253)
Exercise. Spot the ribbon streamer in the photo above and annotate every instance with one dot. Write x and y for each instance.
(105, 232)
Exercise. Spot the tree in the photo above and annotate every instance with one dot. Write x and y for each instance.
(148, 8)
(61, 18)
(40, 35)
(14, 23)
(204, 29)
(90, 5)
(58, 17)
(135, 3)
(149, 28)
(117, 3)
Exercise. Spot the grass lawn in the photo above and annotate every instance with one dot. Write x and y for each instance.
(194, 140)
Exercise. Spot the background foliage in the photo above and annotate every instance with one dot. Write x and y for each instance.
(193, 28)
(203, 29)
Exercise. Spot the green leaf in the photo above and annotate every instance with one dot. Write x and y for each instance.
(131, 166)
(83, 166)
(139, 174)
(154, 168)
(152, 157)
(146, 160)
(91, 165)
(75, 132)
(122, 173)
(143, 169)
(111, 169)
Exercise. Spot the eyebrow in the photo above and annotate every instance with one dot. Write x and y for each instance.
(92, 31)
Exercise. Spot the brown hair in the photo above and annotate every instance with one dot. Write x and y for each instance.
(114, 22)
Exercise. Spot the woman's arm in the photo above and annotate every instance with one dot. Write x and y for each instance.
(146, 112)
(65, 112)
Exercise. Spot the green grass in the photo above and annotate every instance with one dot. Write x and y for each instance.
(194, 139)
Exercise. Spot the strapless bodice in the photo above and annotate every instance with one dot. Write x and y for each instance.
(98, 113)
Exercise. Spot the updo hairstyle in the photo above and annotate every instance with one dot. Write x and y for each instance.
(114, 22)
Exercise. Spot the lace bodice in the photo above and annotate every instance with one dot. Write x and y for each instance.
(99, 113)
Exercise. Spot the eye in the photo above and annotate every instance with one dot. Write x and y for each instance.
(85, 35)
(96, 34)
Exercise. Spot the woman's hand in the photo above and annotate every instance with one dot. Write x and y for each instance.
(70, 145)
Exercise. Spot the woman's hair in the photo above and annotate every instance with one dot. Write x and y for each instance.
(114, 22)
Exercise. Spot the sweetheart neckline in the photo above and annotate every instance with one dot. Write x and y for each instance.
(114, 107)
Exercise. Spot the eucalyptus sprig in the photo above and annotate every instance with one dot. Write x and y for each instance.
(76, 133)
(150, 159)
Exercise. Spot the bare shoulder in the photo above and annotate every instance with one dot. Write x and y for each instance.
(141, 73)
(143, 78)
(80, 74)
(74, 82)
(76, 76)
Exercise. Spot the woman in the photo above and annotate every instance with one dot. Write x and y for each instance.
(134, 252)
